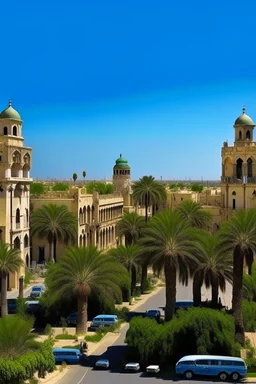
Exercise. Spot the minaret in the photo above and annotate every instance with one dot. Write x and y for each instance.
(15, 164)
(122, 179)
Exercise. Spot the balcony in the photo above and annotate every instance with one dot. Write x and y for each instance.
(235, 180)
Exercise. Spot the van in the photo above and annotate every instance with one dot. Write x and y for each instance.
(224, 367)
(103, 321)
(69, 356)
(183, 304)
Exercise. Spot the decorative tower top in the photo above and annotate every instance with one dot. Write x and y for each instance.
(244, 126)
(10, 113)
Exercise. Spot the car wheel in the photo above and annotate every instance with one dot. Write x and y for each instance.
(223, 376)
(188, 375)
(235, 376)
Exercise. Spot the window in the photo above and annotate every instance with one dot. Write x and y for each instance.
(226, 362)
(249, 167)
(5, 131)
(189, 362)
(240, 135)
(214, 362)
(14, 131)
(0, 158)
(248, 135)
(239, 363)
(202, 362)
(234, 203)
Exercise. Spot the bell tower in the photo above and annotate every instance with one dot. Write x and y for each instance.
(15, 164)
(238, 180)
(122, 179)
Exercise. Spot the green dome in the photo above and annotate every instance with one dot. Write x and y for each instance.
(10, 113)
(244, 119)
(121, 162)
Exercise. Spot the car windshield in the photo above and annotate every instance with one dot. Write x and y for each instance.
(36, 289)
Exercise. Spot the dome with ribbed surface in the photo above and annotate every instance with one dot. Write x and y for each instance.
(244, 119)
(10, 113)
(121, 162)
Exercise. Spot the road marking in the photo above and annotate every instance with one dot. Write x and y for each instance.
(83, 376)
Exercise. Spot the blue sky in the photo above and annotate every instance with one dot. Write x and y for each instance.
(159, 81)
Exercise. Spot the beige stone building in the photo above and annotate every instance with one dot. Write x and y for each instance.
(15, 164)
(238, 180)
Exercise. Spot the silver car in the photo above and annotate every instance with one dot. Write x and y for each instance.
(102, 363)
(153, 369)
(132, 367)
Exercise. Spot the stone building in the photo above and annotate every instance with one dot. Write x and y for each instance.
(15, 164)
(238, 180)
(97, 216)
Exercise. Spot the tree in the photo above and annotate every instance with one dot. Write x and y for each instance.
(74, 177)
(238, 235)
(80, 272)
(10, 262)
(131, 226)
(197, 218)
(84, 175)
(197, 188)
(173, 245)
(100, 187)
(148, 192)
(60, 187)
(128, 257)
(37, 189)
(54, 223)
(249, 285)
(214, 267)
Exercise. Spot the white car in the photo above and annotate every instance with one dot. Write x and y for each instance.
(134, 367)
(102, 363)
(153, 369)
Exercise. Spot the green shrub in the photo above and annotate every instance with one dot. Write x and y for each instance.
(65, 336)
(94, 338)
(27, 278)
(194, 331)
(249, 315)
(37, 189)
(60, 187)
(121, 313)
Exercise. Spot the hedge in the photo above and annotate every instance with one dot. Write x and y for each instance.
(194, 331)
(25, 366)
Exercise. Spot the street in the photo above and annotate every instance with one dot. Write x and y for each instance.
(115, 352)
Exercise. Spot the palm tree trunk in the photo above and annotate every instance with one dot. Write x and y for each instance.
(133, 280)
(54, 248)
(197, 286)
(81, 326)
(21, 287)
(170, 287)
(238, 262)
(146, 207)
(51, 247)
(4, 307)
(215, 294)
(144, 277)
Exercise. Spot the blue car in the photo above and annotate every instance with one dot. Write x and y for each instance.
(69, 356)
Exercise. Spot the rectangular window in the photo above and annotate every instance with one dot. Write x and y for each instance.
(234, 203)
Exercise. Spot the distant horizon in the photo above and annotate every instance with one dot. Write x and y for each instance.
(160, 83)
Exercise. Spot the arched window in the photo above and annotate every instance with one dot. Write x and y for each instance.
(5, 131)
(249, 167)
(14, 130)
(17, 216)
(26, 241)
(248, 135)
(17, 243)
(240, 135)
(239, 168)
(234, 193)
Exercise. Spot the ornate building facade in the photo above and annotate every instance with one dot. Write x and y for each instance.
(15, 165)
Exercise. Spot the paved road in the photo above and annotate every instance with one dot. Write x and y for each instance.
(115, 352)
(15, 294)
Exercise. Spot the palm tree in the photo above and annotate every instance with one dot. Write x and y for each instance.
(16, 337)
(131, 226)
(215, 267)
(74, 177)
(249, 285)
(10, 262)
(129, 257)
(193, 212)
(147, 191)
(84, 175)
(237, 236)
(82, 271)
(54, 223)
(171, 241)
(197, 218)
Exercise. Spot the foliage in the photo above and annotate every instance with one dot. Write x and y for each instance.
(49, 331)
(21, 310)
(190, 332)
(173, 186)
(249, 316)
(27, 278)
(121, 312)
(54, 223)
(74, 177)
(65, 336)
(197, 187)
(249, 285)
(84, 174)
(171, 242)
(82, 271)
(100, 187)
(60, 187)
(181, 185)
(95, 338)
(132, 227)
(37, 189)
(15, 371)
(196, 216)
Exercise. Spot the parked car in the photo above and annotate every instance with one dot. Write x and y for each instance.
(132, 367)
(153, 314)
(72, 319)
(37, 290)
(153, 369)
(12, 306)
(102, 363)
(69, 356)
(103, 321)
(32, 306)
(184, 304)
(131, 315)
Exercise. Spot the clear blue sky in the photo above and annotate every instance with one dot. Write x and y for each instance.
(159, 81)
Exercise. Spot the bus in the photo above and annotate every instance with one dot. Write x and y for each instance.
(224, 367)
